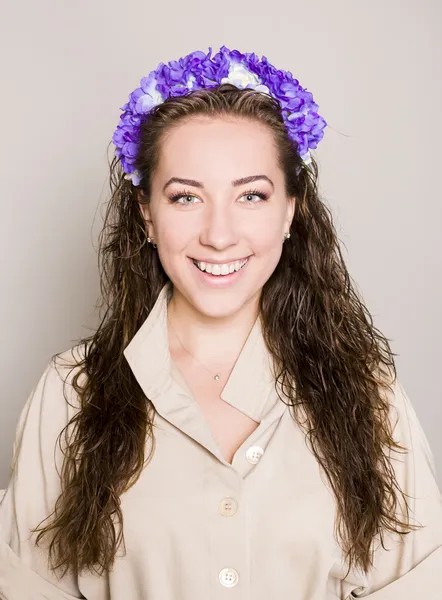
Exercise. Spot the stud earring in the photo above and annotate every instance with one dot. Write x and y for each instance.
(149, 239)
(286, 236)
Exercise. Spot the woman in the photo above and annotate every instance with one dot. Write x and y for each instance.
(234, 428)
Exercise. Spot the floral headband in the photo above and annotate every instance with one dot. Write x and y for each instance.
(201, 71)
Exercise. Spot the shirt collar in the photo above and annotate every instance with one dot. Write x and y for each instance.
(250, 381)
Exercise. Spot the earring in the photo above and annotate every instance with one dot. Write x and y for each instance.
(149, 239)
(286, 236)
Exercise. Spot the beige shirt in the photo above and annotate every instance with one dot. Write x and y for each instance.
(199, 528)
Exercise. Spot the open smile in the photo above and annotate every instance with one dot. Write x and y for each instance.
(219, 275)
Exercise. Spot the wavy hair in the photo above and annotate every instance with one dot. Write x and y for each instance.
(333, 365)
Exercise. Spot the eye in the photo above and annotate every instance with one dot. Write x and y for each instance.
(252, 193)
(186, 195)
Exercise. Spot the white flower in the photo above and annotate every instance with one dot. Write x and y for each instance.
(241, 77)
(156, 96)
(151, 98)
(135, 177)
(307, 158)
(190, 81)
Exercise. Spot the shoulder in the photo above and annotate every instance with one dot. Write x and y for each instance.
(66, 369)
(406, 427)
(51, 403)
(59, 375)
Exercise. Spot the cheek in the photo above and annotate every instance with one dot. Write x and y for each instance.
(173, 245)
(267, 249)
(173, 236)
(267, 239)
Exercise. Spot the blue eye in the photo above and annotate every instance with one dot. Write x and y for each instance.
(177, 197)
(260, 195)
(183, 194)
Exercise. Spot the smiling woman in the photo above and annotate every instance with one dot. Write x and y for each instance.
(235, 421)
(217, 219)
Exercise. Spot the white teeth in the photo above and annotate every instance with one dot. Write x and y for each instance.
(224, 269)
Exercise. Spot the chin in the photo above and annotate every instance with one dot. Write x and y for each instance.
(218, 308)
(220, 304)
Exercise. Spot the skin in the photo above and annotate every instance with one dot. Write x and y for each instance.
(218, 221)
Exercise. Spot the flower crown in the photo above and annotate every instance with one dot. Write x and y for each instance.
(198, 70)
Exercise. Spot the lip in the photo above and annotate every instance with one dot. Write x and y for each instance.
(220, 262)
(218, 281)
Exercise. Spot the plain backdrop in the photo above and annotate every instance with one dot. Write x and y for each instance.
(374, 68)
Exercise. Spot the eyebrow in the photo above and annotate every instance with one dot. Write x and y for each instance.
(235, 183)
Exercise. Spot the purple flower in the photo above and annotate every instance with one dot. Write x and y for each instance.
(198, 70)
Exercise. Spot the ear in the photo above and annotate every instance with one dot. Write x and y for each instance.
(144, 208)
(290, 212)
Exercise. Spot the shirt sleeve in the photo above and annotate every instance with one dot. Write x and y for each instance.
(410, 567)
(32, 490)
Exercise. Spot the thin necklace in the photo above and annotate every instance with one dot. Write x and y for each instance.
(215, 376)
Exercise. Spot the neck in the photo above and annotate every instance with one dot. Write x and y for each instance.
(213, 340)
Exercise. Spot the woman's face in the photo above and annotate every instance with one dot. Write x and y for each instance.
(216, 213)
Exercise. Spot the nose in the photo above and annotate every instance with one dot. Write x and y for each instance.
(218, 228)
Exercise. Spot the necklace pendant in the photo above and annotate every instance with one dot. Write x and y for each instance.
(216, 377)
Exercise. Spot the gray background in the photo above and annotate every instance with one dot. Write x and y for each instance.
(67, 67)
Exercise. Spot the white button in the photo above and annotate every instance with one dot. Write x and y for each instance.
(228, 577)
(254, 453)
(228, 507)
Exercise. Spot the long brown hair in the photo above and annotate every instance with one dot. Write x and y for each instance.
(333, 364)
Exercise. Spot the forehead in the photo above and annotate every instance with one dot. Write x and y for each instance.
(217, 149)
